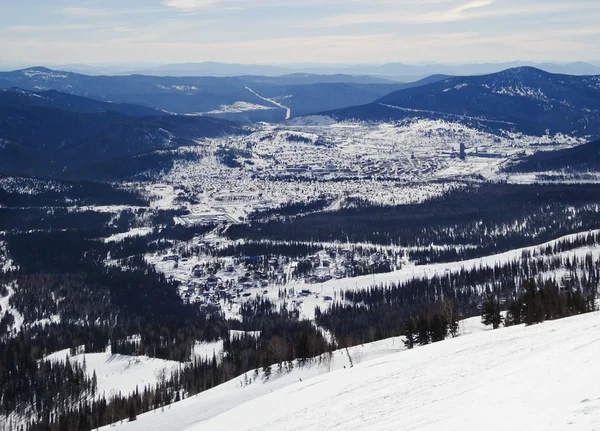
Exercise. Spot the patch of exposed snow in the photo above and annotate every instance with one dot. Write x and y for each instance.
(238, 107)
(522, 91)
(119, 373)
(140, 231)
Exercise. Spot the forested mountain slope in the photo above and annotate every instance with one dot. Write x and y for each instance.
(524, 99)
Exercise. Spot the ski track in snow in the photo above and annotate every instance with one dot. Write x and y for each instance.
(288, 111)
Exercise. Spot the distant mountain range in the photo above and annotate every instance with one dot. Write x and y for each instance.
(60, 135)
(523, 99)
(67, 125)
(243, 98)
(390, 71)
(405, 71)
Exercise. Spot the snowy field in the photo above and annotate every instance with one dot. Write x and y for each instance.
(542, 377)
(123, 373)
(119, 373)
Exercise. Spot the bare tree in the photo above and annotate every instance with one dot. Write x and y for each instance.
(358, 357)
(327, 360)
(279, 350)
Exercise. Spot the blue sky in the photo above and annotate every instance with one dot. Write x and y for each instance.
(304, 31)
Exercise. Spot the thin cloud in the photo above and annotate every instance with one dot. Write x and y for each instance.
(474, 10)
(41, 28)
(192, 5)
(87, 12)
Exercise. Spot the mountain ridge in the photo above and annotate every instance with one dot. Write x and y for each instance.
(524, 99)
(54, 140)
(223, 97)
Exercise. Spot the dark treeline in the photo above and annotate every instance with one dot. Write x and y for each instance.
(50, 219)
(536, 302)
(160, 239)
(486, 218)
(292, 209)
(453, 254)
(33, 192)
(381, 311)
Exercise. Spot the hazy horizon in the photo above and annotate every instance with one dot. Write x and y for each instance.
(314, 31)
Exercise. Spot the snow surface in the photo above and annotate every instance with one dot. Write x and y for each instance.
(542, 377)
(119, 373)
(140, 231)
(536, 378)
(238, 107)
(206, 350)
(6, 308)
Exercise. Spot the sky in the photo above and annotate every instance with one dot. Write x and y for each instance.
(297, 31)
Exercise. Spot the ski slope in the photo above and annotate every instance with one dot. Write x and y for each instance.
(543, 377)
(288, 111)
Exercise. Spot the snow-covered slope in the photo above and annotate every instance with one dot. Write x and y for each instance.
(542, 377)
(537, 378)
(119, 373)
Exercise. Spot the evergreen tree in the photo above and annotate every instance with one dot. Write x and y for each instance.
(438, 328)
(533, 307)
(453, 326)
(514, 314)
(423, 330)
(410, 334)
(132, 409)
(490, 312)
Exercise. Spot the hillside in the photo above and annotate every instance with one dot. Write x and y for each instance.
(457, 384)
(243, 98)
(72, 137)
(69, 102)
(584, 157)
(304, 99)
(525, 100)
